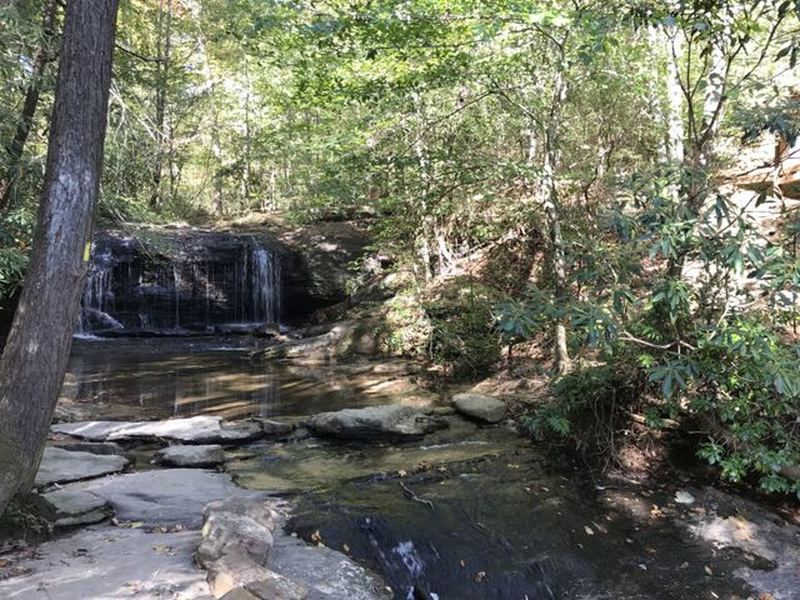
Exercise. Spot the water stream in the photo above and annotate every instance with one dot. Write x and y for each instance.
(468, 512)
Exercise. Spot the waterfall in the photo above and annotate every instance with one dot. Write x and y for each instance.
(265, 286)
(98, 298)
(218, 283)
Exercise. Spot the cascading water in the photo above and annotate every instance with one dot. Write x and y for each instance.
(265, 286)
(98, 298)
(212, 281)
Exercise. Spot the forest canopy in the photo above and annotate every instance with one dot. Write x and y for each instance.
(609, 187)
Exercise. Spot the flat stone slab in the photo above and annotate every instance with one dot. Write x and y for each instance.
(210, 455)
(480, 407)
(78, 508)
(326, 573)
(63, 466)
(173, 496)
(376, 422)
(192, 430)
(110, 563)
(93, 447)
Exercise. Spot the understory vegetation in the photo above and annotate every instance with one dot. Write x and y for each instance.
(601, 189)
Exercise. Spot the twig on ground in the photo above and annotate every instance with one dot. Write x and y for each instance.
(414, 497)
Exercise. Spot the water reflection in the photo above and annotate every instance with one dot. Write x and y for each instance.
(162, 378)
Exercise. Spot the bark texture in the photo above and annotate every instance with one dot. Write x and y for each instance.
(35, 357)
(549, 202)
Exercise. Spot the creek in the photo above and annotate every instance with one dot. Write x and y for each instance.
(468, 512)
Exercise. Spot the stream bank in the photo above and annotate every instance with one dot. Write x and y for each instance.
(463, 510)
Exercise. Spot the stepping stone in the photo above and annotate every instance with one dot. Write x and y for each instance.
(63, 466)
(480, 407)
(191, 456)
(376, 422)
(169, 496)
(193, 430)
(278, 428)
(77, 508)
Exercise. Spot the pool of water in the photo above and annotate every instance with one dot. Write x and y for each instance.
(159, 378)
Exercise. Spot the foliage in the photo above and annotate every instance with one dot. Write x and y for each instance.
(600, 138)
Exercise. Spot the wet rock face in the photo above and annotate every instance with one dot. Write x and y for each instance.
(197, 281)
(190, 281)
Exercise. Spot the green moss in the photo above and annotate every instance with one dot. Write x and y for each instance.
(27, 517)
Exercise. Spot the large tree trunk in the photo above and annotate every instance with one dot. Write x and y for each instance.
(17, 145)
(35, 357)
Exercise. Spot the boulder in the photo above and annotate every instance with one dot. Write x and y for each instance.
(480, 407)
(210, 455)
(77, 508)
(192, 430)
(228, 532)
(236, 543)
(62, 466)
(376, 422)
(249, 556)
(169, 496)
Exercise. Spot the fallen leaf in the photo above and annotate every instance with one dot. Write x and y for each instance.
(588, 530)
(479, 576)
(708, 570)
(345, 547)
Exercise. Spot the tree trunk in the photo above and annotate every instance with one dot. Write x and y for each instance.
(246, 167)
(549, 202)
(35, 358)
(164, 56)
(675, 130)
(17, 145)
